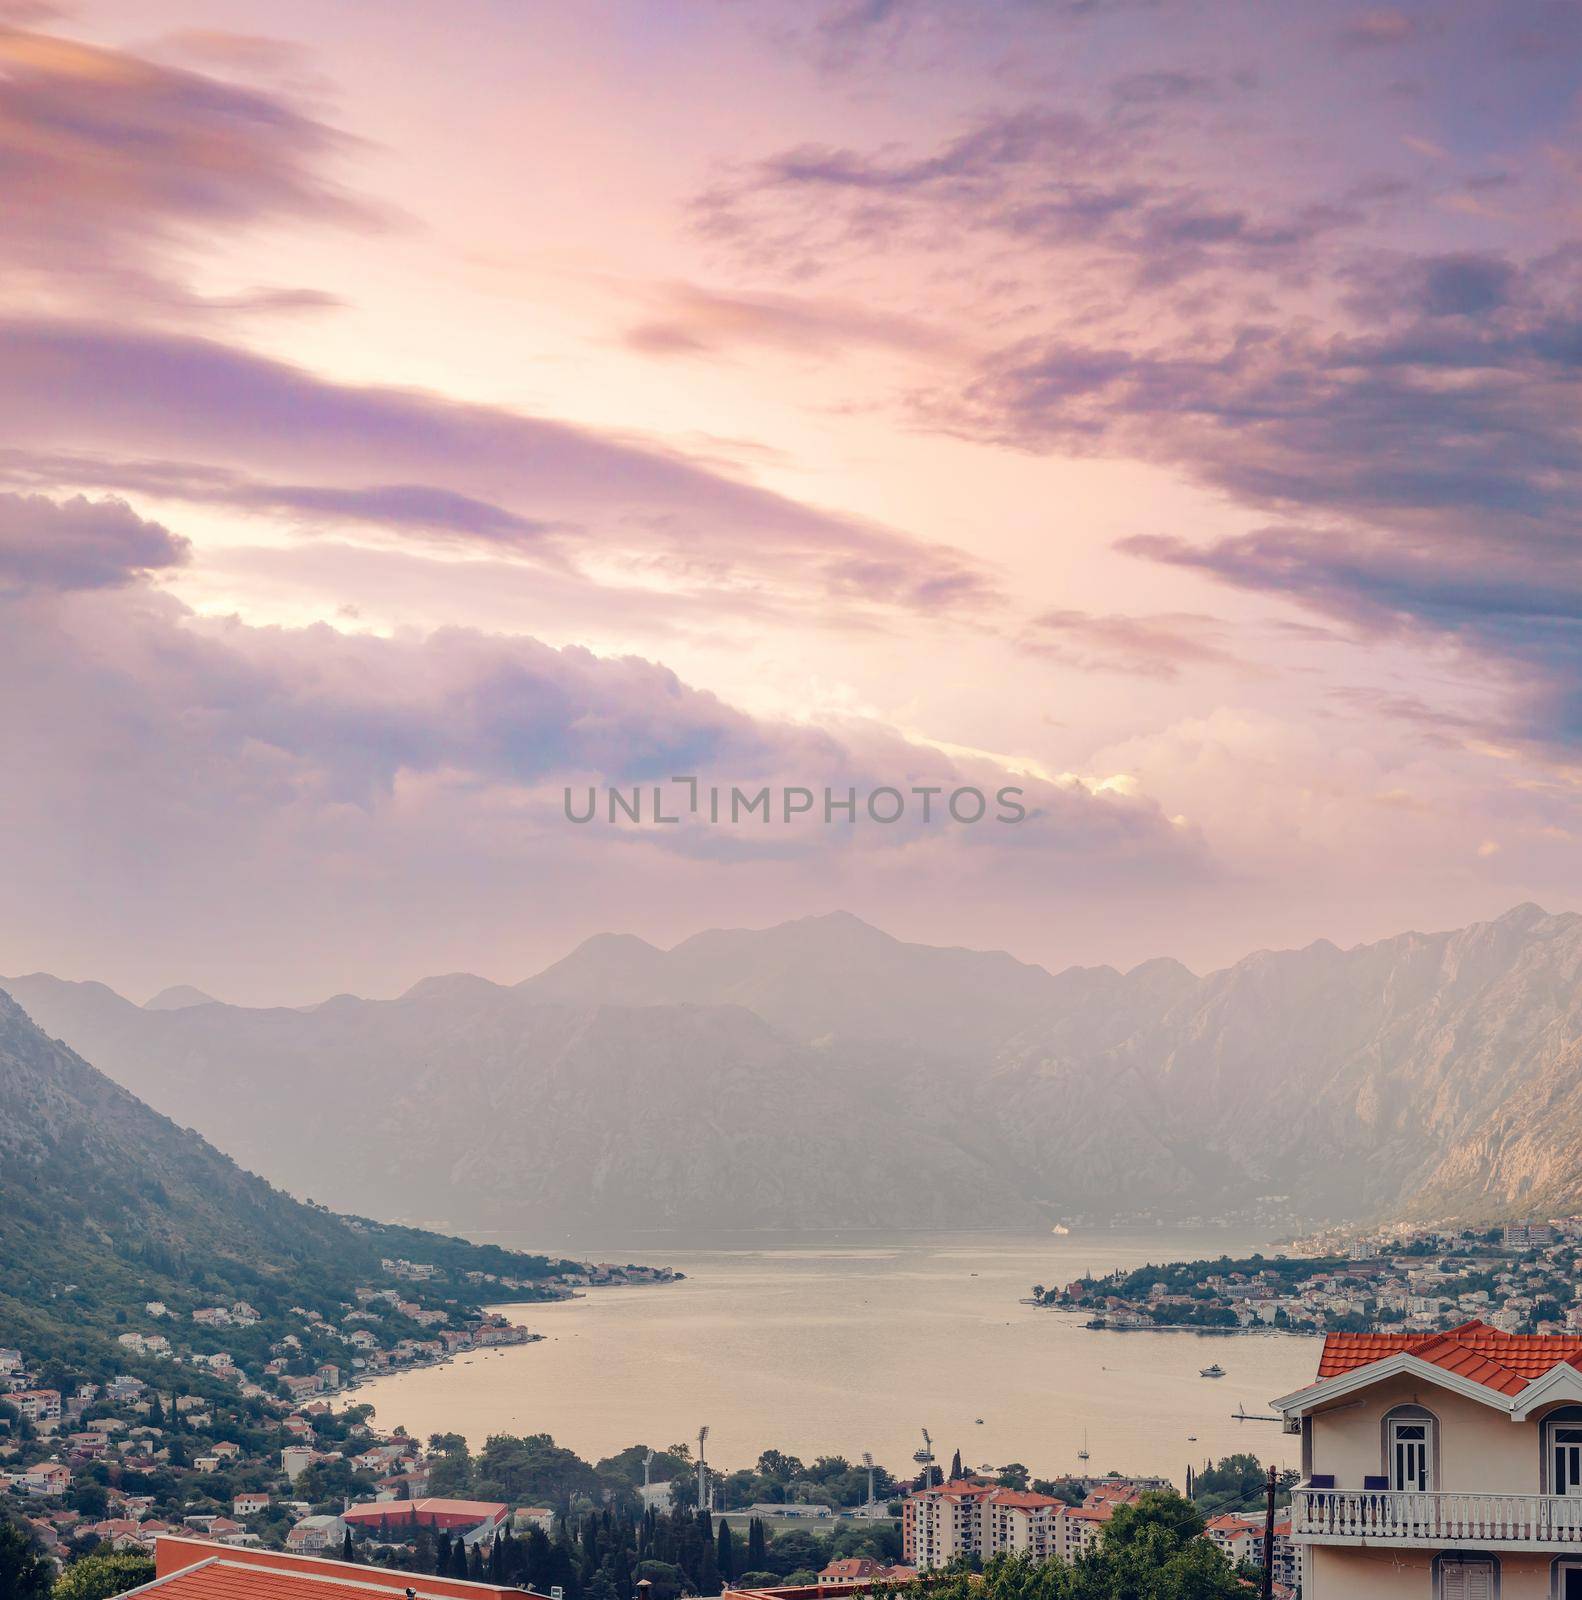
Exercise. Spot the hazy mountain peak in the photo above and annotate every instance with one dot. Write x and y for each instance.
(613, 966)
(452, 986)
(1161, 970)
(1526, 915)
(48, 980)
(178, 997)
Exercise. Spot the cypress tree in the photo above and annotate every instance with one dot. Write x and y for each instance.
(458, 1559)
(442, 1553)
(725, 1555)
(347, 1553)
(475, 1564)
(955, 1467)
(757, 1547)
(497, 1560)
(536, 1560)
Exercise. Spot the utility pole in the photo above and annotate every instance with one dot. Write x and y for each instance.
(1266, 1587)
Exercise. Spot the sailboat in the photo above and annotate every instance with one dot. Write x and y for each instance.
(1082, 1454)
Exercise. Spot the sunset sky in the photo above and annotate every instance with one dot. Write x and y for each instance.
(409, 410)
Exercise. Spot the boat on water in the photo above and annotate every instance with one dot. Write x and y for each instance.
(1082, 1454)
(1215, 1371)
(1060, 1228)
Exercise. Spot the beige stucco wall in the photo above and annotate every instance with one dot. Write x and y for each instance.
(1481, 1451)
(1378, 1574)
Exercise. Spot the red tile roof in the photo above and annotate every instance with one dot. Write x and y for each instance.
(851, 1567)
(1504, 1362)
(376, 1511)
(191, 1569)
(1024, 1499)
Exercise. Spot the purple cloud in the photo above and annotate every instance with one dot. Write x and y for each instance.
(111, 158)
(1044, 180)
(689, 320)
(261, 431)
(194, 781)
(79, 544)
(1155, 646)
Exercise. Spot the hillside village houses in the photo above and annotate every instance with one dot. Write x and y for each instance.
(1522, 1278)
(129, 1424)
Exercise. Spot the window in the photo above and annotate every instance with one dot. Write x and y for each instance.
(1409, 1454)
(1467, 1580)
(1565, 1458)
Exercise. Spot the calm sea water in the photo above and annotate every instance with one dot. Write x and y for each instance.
(848, 1346)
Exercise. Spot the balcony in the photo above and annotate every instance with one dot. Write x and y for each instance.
(1410, 1517)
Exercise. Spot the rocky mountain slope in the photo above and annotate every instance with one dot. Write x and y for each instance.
(105, 1204)
(822, 1074)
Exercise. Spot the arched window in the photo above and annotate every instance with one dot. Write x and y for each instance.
(1565, 1578)
(1469, 1576)
(1561, 1471)
(1411, 1448)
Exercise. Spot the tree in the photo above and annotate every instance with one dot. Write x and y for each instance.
(778, 1465)
(1012, 1476)
(757, 1546)
(1161, 1509)
(725, 1555)
(794, 1550)
(955, 1467)
(91, 1499)
(347, 1553)
(536, 1562)
(450, 1467)
(24, 1573)
(99, 1576)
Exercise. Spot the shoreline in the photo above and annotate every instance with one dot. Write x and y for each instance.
(466, 1353)
(1175, 1327)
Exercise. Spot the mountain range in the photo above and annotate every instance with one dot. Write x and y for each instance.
(821, 1074)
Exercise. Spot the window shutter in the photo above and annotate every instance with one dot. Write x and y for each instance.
(1467, 1580)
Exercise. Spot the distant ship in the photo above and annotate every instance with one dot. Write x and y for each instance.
(1060, 1227)
(1082, 1454)
(1216, 1371)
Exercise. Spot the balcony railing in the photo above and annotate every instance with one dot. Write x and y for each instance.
(1407, 1516)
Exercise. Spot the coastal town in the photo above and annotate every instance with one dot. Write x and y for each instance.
(1520, 1277)
(280, 1461)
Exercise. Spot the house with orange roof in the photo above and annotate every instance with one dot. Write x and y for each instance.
(1440, 1466)
(1237, 1538)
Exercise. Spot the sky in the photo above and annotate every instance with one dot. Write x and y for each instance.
(409, 415)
